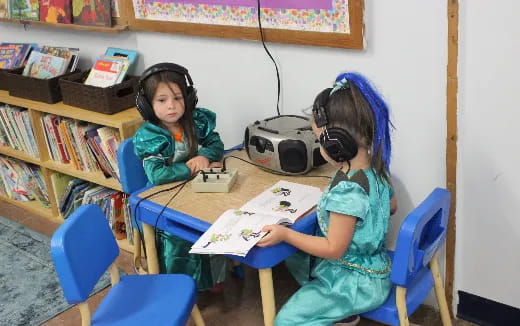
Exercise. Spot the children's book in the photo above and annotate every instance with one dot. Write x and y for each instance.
(92, 12)
(56, 11)
(4, 8)
(236, 231)
(131, 55)
(105, 73)
(25, 9)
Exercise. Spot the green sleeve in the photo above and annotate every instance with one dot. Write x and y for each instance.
(212, 146)
(159, 172)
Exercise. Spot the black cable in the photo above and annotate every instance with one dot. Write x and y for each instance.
(166, 205)
(149, 196)
(265, 168)
(270, 56)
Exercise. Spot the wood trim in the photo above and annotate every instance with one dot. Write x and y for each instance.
(113, 30)
(451, 143)
(354, 40)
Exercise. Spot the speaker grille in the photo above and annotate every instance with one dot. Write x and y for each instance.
(293, 156)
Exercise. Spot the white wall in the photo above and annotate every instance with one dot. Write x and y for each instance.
(488, 230)
(405, 58)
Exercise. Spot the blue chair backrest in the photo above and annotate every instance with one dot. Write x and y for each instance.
(131, 170)
(422, 233)
(82, 248)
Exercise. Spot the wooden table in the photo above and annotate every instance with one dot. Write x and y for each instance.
(190, 214)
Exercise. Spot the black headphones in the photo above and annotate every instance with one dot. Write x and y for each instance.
(189, 93)
(338, 143)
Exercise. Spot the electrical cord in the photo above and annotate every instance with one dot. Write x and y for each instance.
(265, 168)
(269, 54)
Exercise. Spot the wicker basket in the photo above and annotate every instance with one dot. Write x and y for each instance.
(43, 90)
(107, 100)
(4, 78)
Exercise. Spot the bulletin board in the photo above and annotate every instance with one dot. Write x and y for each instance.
(332, 23)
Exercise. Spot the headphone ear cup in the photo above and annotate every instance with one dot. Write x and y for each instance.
(338, 144)
(144, 107)
(191, 97)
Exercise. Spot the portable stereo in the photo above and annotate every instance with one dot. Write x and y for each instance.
(284, 143)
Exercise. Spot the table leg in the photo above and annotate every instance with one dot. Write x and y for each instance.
(151, 250)
(267, 292)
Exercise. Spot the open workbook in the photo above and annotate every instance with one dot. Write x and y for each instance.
(236, 231)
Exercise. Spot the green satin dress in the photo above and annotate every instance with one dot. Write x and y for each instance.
(357, 282)
(164, 161)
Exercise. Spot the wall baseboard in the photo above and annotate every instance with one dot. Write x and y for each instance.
(486, 312)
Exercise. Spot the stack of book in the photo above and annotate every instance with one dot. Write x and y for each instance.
(14, 55)
(49, 61)
(236, 231)
(16, 130)
(111, 68)
(21, 181)
(71, 193)
(86, 146)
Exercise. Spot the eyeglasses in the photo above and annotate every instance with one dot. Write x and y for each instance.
(308, 111)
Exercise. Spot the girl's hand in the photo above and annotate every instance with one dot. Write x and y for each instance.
(277, 234)
(197, 163)
(215, 165)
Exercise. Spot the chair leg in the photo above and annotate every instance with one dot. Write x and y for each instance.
(85, 313)
(267, 292)
(400, 301)
(197, 316)
(439, 291)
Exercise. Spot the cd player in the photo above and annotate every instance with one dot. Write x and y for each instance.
(284, 144)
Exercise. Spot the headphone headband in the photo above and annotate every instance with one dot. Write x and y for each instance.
(166, 66)
(188, 91)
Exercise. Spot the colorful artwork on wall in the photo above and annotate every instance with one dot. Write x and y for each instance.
(327, 16)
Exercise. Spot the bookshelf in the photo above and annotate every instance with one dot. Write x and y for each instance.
(126, 122)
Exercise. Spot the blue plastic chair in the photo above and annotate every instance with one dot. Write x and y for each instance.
(83, 248)
(415, 267)
(133, 179)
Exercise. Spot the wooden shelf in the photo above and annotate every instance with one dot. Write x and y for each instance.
(126, 122)
(113, 30)
(95, 177)
(19, 155)
(34, 207)
(118, 120)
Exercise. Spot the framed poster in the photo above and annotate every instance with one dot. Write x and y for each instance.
(333, 23)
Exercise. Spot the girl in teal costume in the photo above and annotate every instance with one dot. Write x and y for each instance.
(177, 140)
(344, 268)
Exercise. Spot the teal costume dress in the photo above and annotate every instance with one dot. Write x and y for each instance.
(164, 161)
(357, 282)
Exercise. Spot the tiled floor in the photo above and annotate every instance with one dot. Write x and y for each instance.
(238, 304)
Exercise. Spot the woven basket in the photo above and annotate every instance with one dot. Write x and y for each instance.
(43, 90)
(107, 100)
(4, 78)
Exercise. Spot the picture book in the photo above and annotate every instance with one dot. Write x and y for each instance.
(92, 12)
(13, 55)
(44, 66)
(25, 9)
(56, 11)
(131, 55)
(236, 231)
(105, 73)
(4, 9)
